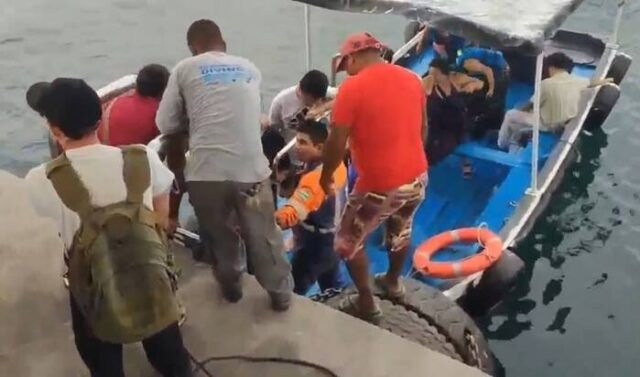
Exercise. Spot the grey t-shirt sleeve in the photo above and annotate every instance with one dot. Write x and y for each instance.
(171, 113)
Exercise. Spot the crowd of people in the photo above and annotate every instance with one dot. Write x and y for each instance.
(109, 197)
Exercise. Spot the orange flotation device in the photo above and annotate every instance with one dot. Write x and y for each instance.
(448, 270)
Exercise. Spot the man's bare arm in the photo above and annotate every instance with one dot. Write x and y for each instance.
(334, 151)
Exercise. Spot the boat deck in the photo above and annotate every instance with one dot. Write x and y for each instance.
(36, 339)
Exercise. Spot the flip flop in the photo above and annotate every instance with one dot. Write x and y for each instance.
(349, 305)
(394, 295)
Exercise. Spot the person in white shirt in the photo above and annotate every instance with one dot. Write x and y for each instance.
(290, 106)
(559, 99)
(73, 110)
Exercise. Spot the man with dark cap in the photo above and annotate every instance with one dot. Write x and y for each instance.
(227, 173)
(380, 109)
(87, 179)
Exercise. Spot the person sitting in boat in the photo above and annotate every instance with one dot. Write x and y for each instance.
(131, 117)
(291, 105)
(559, 98)
(446, 111)
(311, 214)
(490, 66)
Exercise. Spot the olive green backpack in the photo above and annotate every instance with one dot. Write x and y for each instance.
(120, 271)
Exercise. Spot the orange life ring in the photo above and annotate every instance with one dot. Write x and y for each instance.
(464, 267)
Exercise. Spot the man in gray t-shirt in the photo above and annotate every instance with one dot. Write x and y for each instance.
(218, 95)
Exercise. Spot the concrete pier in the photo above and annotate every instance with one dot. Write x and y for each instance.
(36, 339)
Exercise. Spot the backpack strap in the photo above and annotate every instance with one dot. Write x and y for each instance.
(136, 173)
(69, 186)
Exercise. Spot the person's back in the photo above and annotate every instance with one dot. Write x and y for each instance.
(131, 117)
(386, 139)
(88, 191)
(221, 95)
(560, 97)
(132, 120)
(227, 173)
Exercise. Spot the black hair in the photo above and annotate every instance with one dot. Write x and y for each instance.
(440, 39)
(387, 54)
(73, 107)
(315, 84)
(152, 80)
(317, 131)
(203, 31)
(559, 60)
(441, 64)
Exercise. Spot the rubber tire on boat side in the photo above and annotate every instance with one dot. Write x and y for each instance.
(431, 319)
(604, 102)
(407, 324)
(619, 67)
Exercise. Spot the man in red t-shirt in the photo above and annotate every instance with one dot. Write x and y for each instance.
(381, 112)
(131, 117)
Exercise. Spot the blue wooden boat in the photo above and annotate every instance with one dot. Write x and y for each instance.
(507, 191)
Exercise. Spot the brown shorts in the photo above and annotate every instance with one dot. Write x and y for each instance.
(364, 212)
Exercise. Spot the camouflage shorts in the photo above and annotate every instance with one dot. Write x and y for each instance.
(364, 212)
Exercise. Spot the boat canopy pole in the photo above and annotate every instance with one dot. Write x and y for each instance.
(533, 190)
(307, 35)
(402, 51)
(618, 21)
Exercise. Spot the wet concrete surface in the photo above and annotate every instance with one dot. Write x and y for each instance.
(36, 339)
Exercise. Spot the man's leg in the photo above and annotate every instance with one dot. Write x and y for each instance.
(514, 120)
(407, 199)
(166, 352)
(103, 359)
(362, 215)
(213, 205)
(263, 240)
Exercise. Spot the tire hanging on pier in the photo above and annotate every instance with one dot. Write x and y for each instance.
(428, 317)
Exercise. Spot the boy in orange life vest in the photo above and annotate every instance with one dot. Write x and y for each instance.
(311, 214)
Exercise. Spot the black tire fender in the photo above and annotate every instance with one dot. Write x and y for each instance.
(619, 67)
(427, 317)
(604, 102)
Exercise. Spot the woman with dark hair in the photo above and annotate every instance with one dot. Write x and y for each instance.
(445, 111)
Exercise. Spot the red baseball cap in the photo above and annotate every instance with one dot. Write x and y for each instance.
(354, 43)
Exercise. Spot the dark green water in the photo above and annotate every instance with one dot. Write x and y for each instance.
(574, 313)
